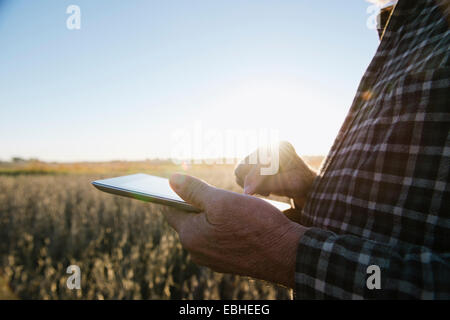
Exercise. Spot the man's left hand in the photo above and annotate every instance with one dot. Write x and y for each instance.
(235, 233)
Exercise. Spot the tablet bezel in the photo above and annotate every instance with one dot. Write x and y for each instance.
(114, 189)
(182, 205)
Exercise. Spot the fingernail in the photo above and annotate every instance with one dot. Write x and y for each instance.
(248, 189)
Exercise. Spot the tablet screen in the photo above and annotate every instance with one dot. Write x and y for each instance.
(144, 183)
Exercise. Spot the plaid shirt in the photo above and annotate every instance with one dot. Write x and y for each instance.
(382, 196)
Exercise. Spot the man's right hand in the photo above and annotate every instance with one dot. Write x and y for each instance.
(293, 180)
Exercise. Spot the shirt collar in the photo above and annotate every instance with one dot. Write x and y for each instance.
(383, 16)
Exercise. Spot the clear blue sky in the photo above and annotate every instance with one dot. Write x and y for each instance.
(139, 70)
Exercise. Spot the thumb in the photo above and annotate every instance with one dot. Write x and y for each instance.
(284, 183)
(191, 190)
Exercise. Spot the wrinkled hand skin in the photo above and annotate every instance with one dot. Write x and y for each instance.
(294, 178)
(235, 233)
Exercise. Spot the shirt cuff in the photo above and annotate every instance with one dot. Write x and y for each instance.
(331, 266)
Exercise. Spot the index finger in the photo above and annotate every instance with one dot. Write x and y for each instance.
(177, 218)
(245, 166)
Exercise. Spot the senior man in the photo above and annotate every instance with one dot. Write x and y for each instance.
(380, 199)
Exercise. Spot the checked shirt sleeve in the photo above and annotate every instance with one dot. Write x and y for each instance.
(331, 266)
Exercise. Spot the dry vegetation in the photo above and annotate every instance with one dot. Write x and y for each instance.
(51, 217)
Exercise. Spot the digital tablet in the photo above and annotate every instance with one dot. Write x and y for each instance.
(154, 189)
